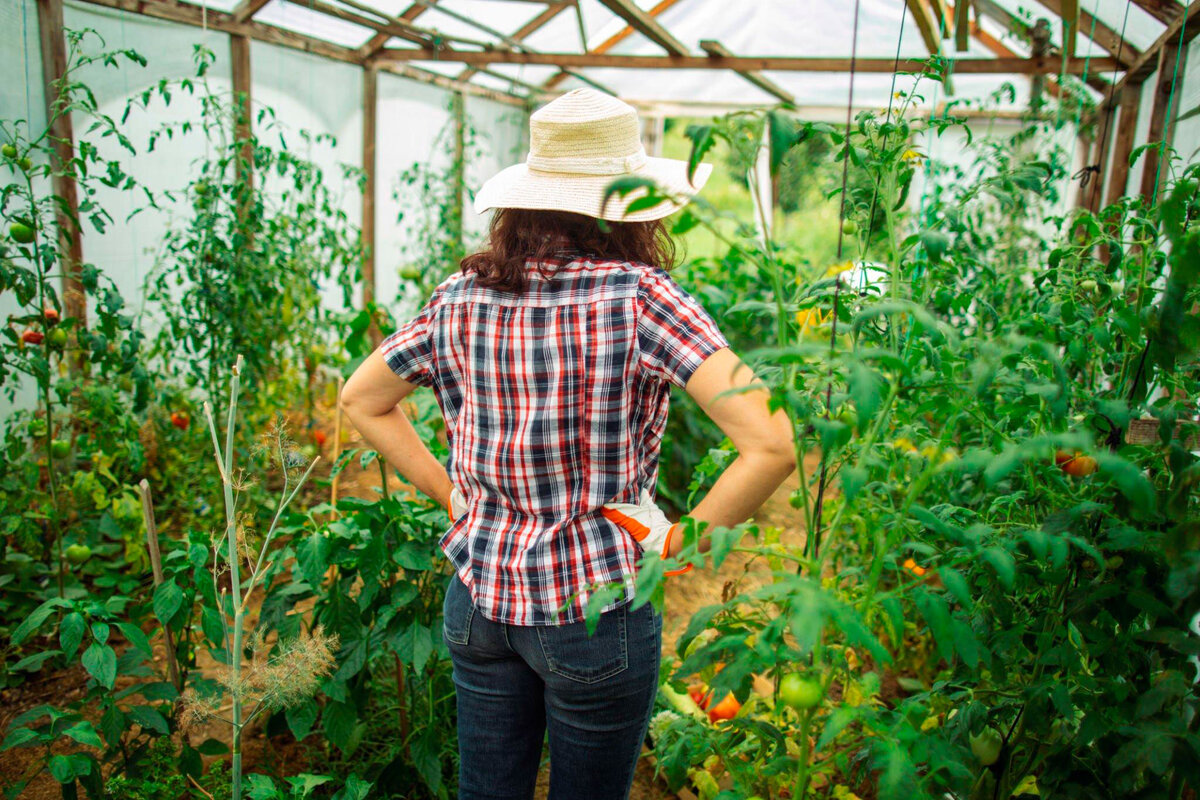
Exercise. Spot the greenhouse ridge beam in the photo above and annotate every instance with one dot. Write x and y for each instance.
(715, 48)
(966, 66)
(1165, 11)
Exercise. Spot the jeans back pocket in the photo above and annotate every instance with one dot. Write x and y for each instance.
(457, 610)
(571, 653)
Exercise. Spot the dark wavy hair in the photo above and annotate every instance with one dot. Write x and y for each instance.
(519, 237)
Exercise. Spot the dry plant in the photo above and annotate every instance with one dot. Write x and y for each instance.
(265, 681)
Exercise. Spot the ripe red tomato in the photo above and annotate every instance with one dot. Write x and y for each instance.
(51, 314)
(180, 420)
(699, 694)
(30, 336)
(319, 437)
(1080, 466)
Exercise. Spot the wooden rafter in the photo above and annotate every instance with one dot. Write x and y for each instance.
(526, 30)
(612, 41)
(376, 42)
(1107, 38)
(962, 26)
(387, 29)
(715, 48)
(1068, 12)
(247, 9)
(970, 66)
(1165, 11)
(1181, 32)
(927, 25)
(645, 23)
(998, 48)
(193, 15)
(520, 34)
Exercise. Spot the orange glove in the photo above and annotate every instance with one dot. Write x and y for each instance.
(647, 524)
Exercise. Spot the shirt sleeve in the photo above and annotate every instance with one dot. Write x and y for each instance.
(675, 333)
(409, 349)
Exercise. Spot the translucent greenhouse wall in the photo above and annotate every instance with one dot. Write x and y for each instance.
(306, 92)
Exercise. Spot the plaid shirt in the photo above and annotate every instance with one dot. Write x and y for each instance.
(555, 403)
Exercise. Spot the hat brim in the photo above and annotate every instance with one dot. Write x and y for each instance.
(519, 186)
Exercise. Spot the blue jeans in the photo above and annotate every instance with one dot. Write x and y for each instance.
(515, 684)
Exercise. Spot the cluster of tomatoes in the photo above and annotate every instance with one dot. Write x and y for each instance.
(1075, 464)
(56, 338)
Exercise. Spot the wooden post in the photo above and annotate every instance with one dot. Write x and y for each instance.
(70, 245)
(460, 168)
(156, 565)
(370, 100)
(1162, 118)
(1123, 146)
(239, 48)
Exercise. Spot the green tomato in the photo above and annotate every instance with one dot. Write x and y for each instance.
(799, 692)
(848, 416)
(37, 428)
(78, 553)
(57, 338)
(201, 188)
(849, 227)
(8, 151)
(60, 448)
(25, 164)
(410, 273)
(20, 232)
(986, 746)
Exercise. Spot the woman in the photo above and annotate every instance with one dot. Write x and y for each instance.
(552, 353)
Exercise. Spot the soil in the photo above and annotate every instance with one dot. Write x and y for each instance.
(685, 594)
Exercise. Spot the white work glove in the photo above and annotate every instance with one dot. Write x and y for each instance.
(647, 524)
(458, 504)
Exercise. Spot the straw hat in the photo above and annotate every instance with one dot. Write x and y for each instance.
(578, 145)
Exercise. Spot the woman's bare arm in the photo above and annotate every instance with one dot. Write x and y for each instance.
(766, 454)
(370, 400)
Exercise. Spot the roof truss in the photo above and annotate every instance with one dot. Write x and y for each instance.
(935, 19)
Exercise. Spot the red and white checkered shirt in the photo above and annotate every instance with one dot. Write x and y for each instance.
(555, 403)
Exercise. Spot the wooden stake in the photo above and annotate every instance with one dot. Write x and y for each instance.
(156, 565)
(70, 246)
(337, 446)
(370, 104)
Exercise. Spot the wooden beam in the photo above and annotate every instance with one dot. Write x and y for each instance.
(969, 66)
(1162, 122)
(1165, 11)
(1181, 32)
(926, 25)
(1123, 146)
(715, 48)
(646, 25)
(942, 15)
(962, 26)
(370, 120)
(387, 29)
(1068, 12)
(1108, 39)
(549, 13)
(458, 112)
(376, 42)
(188, 14)
(70, 244)
(998, 48)
(612, 41)
(411, 72)
(247, 9)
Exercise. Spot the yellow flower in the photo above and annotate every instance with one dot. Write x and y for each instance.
(904, 444)
(838, 269)
(930, 723)
(808, 318)
(911, 155)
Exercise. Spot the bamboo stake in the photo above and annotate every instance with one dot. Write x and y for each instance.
(156, 564)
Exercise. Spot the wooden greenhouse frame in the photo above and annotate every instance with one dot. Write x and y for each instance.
(938, 21)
